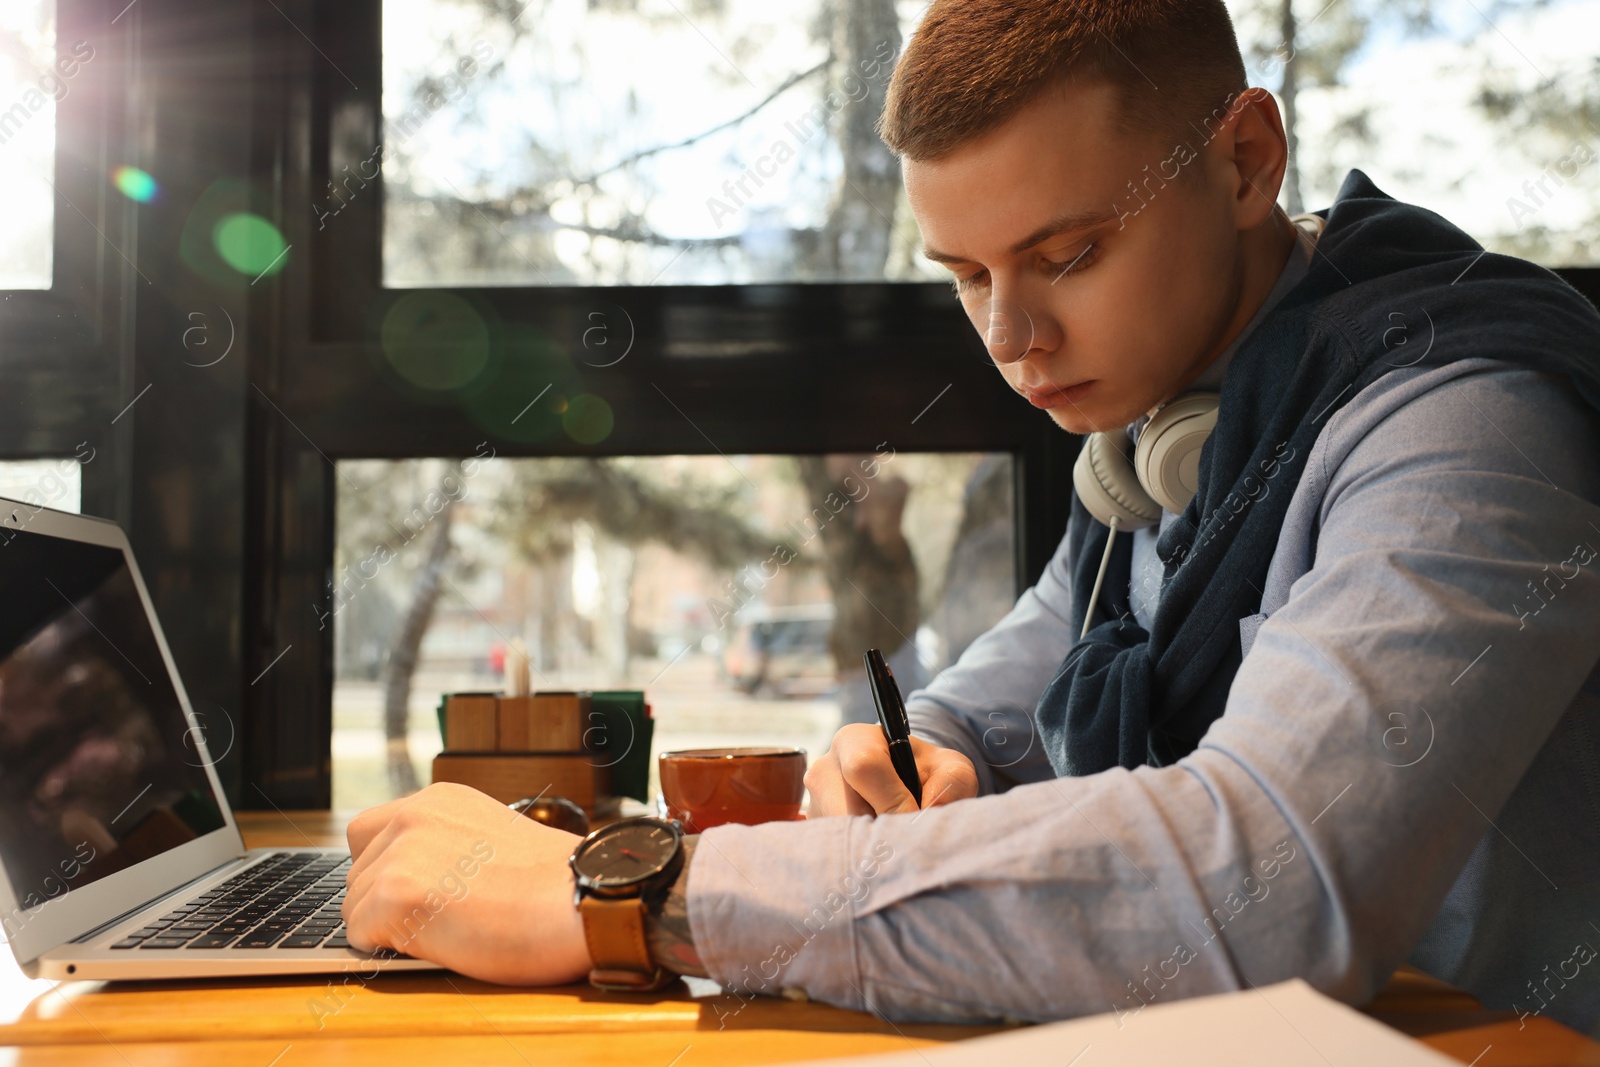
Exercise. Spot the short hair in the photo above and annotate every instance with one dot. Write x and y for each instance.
(973, 64)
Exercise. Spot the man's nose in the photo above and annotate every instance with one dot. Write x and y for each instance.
(1010, 331)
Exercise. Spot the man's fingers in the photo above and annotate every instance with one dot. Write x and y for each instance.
(363, 921)
(854, 803)
(367, 825)
(868, 770)
(830, 794)
(948, 781)
(857, 776)
(947, 775)
(355, 924)
(369, 855)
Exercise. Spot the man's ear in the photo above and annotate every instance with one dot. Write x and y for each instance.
(1257, 151)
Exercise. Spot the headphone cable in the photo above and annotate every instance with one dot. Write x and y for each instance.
(1105, 558)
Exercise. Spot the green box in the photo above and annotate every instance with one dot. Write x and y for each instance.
(622, 729)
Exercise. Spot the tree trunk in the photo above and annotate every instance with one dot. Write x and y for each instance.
(866, 38)
(403, 654)
(616, 608)
(980, 578)
(1289, 91)
(870, 569)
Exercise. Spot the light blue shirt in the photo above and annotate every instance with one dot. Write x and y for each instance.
(1408, 767)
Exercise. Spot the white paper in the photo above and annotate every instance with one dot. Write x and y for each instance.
(1284, 1025)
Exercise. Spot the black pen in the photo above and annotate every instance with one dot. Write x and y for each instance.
(896, 725)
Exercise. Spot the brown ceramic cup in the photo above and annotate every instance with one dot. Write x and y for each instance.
(559, 812)
(706, 787)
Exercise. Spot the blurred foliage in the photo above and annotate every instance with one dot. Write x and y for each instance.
(694, 517)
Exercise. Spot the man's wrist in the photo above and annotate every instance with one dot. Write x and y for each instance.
(666, 926)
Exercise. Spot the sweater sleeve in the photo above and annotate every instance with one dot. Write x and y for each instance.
(1302, 839)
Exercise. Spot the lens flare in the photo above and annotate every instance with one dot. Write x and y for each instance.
(250, 244)
(588, 419)
(135, 184)
(518, 399)
(436, 340)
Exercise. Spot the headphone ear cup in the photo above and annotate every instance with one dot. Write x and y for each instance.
(1167, 461)
(1107, 485)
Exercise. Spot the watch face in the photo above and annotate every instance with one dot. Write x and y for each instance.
(625, 853)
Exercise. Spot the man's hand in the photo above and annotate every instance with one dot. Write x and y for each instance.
(856, 777)
(454, 876)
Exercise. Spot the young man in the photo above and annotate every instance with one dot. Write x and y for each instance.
(1338, 714)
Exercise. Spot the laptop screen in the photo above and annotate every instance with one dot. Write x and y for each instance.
(98, 770)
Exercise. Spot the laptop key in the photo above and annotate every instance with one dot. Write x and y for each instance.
(213, 941)
(164, 942)
(129, 942)
(301, 941)
(266, 940)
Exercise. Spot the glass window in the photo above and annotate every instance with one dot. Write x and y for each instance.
(650, 142)
(634, 143)
(30, 85)
(1485, 113)
(44, 483)
(740, 593)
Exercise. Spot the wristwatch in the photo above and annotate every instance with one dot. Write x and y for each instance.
(620, 871)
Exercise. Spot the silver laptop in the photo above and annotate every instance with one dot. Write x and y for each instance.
(119, 854)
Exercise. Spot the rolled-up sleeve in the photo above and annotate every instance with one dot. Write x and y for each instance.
(1299, 840)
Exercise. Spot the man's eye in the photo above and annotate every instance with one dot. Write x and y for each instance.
(971, 282)
(1072, 266)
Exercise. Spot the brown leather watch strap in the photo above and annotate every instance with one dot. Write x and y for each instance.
(614, 931)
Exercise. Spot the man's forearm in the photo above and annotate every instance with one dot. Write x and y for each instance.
(1287, 845)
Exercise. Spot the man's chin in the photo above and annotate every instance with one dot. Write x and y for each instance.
(1075, 419)
(1092, 417)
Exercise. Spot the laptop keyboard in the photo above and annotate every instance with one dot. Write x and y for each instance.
(289, 900)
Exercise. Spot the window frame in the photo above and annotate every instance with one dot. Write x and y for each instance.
(223, 477)
(63, 344)
(828, 368)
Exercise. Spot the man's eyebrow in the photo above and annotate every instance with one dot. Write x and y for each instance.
(942, 257)
(1079, 220)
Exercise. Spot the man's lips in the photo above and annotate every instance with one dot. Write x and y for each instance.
(1049, 396)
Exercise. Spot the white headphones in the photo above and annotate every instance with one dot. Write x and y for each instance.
(1164, 471)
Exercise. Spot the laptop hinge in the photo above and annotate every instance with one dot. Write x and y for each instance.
(109, 923)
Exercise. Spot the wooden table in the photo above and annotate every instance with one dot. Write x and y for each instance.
(438, 1018)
